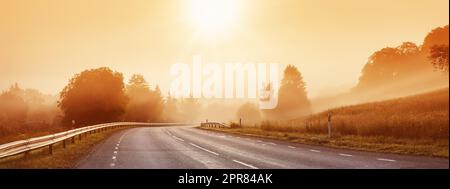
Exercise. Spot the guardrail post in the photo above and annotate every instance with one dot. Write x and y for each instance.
(50, 149)
(329, 125)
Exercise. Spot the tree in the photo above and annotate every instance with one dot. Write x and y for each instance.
(157, 105)
(439, 57)
(171, 110)
(292, 97)
(137, 84)
(13, 109)
(390, 65)
(435, 47)
(438, 36)
(93, 96)
(145, 105)
(249, 113)
(190, 108)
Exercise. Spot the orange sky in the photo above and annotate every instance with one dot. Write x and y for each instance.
(44, 43)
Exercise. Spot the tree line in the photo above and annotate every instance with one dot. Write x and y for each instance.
(100, 95)
(399, 67)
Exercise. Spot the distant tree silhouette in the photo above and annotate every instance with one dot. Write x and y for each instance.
(438, 36)
(171, 112)
(249, 113)
(435, 47)
(157, 106)
(439, 57)
(190, 108)
(181, 110)
(389, 66)
(292, 97)
(13, 109)
(93, 96)
(24, 106)
(392, 64)
(145, 105)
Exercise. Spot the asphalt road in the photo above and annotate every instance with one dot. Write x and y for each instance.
(192, 148)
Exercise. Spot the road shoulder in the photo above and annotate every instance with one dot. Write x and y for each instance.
(365, 144)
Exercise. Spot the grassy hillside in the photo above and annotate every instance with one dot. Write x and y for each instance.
(414, 117)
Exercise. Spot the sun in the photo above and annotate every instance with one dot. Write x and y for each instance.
(212, 18)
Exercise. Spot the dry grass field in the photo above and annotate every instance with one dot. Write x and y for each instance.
(424, 116)
(416, 124)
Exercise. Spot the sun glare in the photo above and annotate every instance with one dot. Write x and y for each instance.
(211, 18)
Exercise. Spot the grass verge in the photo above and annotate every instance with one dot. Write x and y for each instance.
(425, 147)
(61, 158)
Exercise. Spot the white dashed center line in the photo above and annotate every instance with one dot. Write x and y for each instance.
(112, 164)
(383, 159)
(346, 155)
(291, 147)
(114, 157)
(179, 139)
(204, 149)
(317, 151)
(271, 143)
(245, 164)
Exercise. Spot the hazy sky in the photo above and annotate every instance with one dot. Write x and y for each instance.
(44, 43)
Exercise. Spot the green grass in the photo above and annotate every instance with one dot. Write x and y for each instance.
(426, 147)
(61, 158)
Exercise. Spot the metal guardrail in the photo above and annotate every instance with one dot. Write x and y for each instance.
(24, 146)
(214, 124)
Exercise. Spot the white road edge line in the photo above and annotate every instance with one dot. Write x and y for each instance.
(204, 149)
(383, 159)
(317, 151)
(244, 164)
(346, 155)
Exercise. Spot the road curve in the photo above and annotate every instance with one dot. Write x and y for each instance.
(193, 148)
